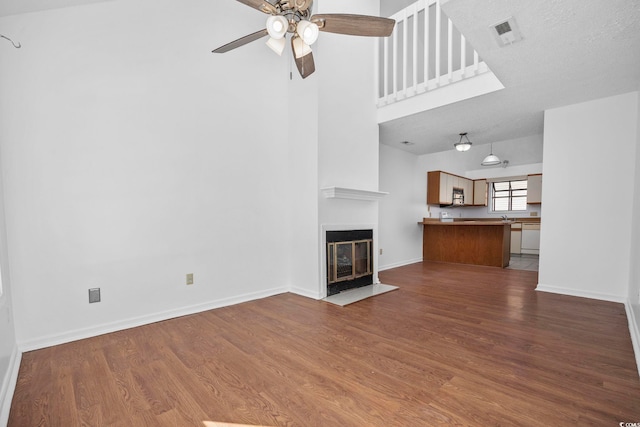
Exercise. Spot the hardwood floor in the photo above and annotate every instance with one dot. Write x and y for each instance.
(455, 345)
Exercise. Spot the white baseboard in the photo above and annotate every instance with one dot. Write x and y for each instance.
(580, 293)
(634, 331)
(9, 386)
(399, 264)
(78, 334)
(306, 293)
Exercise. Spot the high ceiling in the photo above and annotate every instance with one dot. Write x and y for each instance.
(12, 7)
(572, 51)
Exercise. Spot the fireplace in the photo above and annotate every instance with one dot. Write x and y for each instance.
(349, 255)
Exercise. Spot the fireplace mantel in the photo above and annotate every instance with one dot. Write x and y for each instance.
(351, 193)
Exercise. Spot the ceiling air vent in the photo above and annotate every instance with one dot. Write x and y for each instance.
(506, 32)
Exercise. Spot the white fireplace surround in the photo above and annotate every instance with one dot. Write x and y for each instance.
(323, 250)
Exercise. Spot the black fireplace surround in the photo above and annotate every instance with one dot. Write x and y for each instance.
(349, 260)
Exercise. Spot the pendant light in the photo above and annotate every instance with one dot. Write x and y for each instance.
(491, 159)
(463, 145)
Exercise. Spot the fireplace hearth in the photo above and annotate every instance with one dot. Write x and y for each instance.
(349, 260)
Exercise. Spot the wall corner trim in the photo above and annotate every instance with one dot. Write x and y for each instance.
(9, 386)
(634, 331)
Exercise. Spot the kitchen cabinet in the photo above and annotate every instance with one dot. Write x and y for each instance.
(480, 192)
(468, 192)
(530, 239)
(516, 237)
(440, 187)
(534, 189)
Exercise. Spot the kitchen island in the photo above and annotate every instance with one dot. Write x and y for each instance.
(467, 242)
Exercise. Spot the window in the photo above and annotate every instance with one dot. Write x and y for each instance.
(508, 196)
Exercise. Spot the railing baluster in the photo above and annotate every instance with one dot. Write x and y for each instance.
(395, 69)
(449, 50)
(405, 72)
(414, 13)
(475, 61)
(426, 45)
(463, 55)
(385, 69)
(438, 42)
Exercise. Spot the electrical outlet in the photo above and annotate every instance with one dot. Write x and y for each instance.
(94, 295)
(380, 251)
(190, 279)
(533, 213)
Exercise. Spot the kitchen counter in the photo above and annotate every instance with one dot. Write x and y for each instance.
(467, 222)
(479, 242)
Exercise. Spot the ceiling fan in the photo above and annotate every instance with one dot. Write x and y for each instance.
(294, 16)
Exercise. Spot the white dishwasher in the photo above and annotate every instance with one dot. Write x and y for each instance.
(530, 239)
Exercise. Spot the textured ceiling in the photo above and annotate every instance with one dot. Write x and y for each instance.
(13, 7)
(572, 51)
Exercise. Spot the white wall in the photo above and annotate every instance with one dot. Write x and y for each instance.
(582, 252)
(347, 127)
(9, 354)
(400, 211)
(132, 156)
(633, 311)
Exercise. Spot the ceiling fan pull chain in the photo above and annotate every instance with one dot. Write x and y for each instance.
(17, 46)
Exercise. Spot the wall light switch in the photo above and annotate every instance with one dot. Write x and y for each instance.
(190, 279)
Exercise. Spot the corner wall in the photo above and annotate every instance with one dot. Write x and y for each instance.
(582, 253)
(633, 306)
(347, 127)
(132, 156)
(10, 356)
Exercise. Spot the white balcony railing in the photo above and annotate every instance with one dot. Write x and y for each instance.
(425, 52)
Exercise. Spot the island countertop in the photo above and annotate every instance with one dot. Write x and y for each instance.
(465, 222)
(479, 242)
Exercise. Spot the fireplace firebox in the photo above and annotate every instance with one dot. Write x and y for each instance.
(349, 260)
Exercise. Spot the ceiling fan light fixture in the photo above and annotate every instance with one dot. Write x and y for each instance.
(277, 26)
(463, 145)
(308, 31)
(277, 45)
(300, 48)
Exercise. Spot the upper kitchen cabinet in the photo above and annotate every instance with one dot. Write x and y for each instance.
(534, 189)
(441, 185)
(480, 192)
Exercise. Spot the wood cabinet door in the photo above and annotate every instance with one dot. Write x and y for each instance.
(480, 192)
(534, 189)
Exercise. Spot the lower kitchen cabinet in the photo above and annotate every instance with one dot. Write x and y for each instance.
(530, 239)
(516, 237)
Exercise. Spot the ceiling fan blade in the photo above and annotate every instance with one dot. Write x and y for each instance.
(261, 5)
(354, 25)
(241, 41)
(303, 57)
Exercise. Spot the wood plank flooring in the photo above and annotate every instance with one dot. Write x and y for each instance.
(455, 345)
